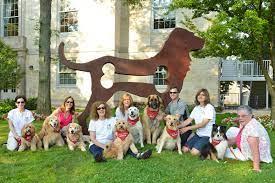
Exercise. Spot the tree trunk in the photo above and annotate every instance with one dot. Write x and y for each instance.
(272, 53)
(44, 88)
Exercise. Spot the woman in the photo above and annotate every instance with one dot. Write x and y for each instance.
(65, 113)
(17, 118)
(204, 115)
(251, 138)
(101, 130)
(125, 102)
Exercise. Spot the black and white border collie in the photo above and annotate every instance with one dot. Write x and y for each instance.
(216, 148)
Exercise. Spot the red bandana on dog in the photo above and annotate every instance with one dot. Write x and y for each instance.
(173, 133)
(215, 142)
(132, 122)
(152, 114)
(73, 140)
(122, 134)
(28, 138)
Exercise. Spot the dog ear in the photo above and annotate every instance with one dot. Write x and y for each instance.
(148, 100)
(177, 116)
(160, 102)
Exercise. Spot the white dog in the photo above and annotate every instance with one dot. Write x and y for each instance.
(136, 128)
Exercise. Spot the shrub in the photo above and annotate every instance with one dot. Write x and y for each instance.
(31, 104)
(266, 121)
(6, 105)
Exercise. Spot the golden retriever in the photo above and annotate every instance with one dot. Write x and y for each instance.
(151, 118)
(29, 138)
(170, 137)
(75, 137)
(123, 141)
(50, 132)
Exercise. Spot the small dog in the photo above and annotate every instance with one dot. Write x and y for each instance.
(75, 137)
(151, 118)
(136, 128)
(50, 132)
(123, 141)
(29, 138)
(216, 148)
(170, 137)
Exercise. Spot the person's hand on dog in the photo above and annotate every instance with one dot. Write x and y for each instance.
(185, 129)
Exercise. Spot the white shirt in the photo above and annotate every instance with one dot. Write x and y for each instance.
(207, 112)
(104, 129)
(120, 116)
(19, 119)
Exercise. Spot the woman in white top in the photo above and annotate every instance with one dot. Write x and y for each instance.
(17, 118)
(251, 138)
(101, 130)
(204, 115)
(125, 102)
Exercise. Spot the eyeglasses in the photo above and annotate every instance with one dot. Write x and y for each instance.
(242, 116)
(22, 102)
(173, 92)
(100, 108)
(69, 102)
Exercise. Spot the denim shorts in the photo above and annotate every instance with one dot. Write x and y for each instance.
(197, 142)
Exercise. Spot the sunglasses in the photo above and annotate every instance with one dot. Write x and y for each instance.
(100, 108)
(22, 102)
(69, 102)
(173, 92)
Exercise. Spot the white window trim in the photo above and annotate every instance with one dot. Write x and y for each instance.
(59, 19)
(58, 85)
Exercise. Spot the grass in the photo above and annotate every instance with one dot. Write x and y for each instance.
(62, 165)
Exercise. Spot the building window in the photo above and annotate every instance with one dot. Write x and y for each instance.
(13, 90)
(10, 17)
(163, 19)
(5, 90)
(160, 76)
(66, 76)
(68, 16)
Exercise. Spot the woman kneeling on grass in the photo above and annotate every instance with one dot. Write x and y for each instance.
(17, 118)
(251, 138)
(204, 115)
(101, 130)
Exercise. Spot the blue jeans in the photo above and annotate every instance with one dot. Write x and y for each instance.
(197, 142)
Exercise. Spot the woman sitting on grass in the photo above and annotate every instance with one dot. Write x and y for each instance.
(204, 115)
(251, 138)
(101, 130)
(65, 114)
(17, 118)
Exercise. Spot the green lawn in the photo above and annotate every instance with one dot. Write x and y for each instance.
(62, 165)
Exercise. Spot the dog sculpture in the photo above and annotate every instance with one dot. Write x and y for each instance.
(174, 55)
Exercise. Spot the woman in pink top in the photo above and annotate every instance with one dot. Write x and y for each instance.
(65, 113)
(251, 138)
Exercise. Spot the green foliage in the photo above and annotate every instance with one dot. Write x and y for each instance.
(6, 106)
(240, 28)
(9, 70)
(31, 104)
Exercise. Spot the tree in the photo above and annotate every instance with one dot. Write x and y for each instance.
(241, 28)
(9, 69)
(44, 87)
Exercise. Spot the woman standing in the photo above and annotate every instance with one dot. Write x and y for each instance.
(204, 115)
(251, 138)
(101, 130)
(17, 118)
(125, 102)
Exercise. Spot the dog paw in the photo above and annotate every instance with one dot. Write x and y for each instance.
(180, 152)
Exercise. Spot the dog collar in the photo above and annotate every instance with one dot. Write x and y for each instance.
(173, 133)
(122, 134)
(215, 142)
(152, 114)
(133, 122)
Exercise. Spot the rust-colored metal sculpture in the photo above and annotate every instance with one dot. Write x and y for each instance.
(174, 56)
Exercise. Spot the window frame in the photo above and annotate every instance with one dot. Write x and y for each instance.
(66, 71)
(68, 10)
(3, 18)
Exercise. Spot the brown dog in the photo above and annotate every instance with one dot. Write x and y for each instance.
(123, 141)
(174, 55)
(29, 138)
(50, 132)
(151, 118)
(170, 137)
(75, 137)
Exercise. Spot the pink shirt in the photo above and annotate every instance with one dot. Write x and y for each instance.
(239, 138)
(63, 120)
